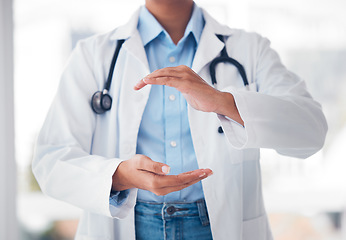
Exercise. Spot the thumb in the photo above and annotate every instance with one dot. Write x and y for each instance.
(146, 164)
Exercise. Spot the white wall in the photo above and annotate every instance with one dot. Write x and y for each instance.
(8, 222)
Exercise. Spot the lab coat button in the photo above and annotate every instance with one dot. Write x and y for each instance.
(172, 97)
(172, 59)
(173, 143)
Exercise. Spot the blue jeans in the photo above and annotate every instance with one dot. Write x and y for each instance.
(172, 221)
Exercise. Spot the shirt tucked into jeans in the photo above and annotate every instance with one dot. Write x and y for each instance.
(164, 136)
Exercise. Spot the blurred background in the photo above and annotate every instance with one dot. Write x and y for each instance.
(305, 199)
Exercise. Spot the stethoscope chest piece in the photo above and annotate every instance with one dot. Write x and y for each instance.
(101, 102)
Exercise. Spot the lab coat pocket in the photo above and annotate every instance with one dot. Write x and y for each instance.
(252, 87)
(256, 228)
(251, 154)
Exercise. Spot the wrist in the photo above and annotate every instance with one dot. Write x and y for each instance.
(225, 104)
(227, 107)
(119, 177)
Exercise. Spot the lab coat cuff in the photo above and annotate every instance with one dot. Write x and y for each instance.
(235, 132)
(117, 198)
(121, 202)
(121, 205)
(239, 136)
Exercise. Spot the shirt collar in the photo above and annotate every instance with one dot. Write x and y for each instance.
(149, 28)
(196, 23)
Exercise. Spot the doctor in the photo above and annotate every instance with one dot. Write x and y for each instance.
(136, 170)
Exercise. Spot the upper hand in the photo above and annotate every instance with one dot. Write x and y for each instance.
(197, 92)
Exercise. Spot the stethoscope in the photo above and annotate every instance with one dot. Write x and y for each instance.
(101, 101)
(224, 58)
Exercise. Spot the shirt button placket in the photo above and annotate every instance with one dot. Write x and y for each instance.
(172, 136)
(173, 127)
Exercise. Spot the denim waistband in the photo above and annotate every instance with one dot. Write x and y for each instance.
(174, 210)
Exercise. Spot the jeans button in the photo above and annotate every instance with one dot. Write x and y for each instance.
(170, 210)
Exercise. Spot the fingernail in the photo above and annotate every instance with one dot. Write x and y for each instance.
(209, 174)
(165, 169)
(202, 175)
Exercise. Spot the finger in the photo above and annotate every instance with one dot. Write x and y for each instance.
(181, 179)
(146, 164)
(167, 71)
(201, 173)
(170, 81)
(166, 190)
(139, 85)
(163, 80)
(170, 72)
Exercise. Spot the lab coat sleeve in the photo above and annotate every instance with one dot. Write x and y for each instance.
(62, 163)
(280, 114)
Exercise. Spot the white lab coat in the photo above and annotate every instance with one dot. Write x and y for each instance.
(78, 151)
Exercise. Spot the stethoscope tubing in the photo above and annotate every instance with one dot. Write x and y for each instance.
(224, 58)
(114, 60)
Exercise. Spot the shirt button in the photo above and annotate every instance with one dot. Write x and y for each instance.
(172, 59)
(173, 143)
(172, 97)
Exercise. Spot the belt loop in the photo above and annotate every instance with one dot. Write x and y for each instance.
(203, 213)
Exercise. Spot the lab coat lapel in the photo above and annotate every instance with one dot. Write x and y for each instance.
(203, 127)
(209, 46)
(208, 49)
(131, 105)
(134, 65)
(135, 47)
(133, 43)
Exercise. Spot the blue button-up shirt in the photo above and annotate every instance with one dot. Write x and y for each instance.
(164, 134)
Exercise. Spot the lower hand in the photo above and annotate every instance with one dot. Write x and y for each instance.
(143, 173)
